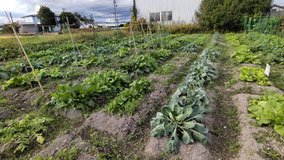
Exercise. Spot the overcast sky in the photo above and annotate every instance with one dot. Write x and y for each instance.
(102, 10)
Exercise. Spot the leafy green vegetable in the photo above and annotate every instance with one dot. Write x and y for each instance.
(174, 121)
(161, 55)
(271, 46)
(244, 55)
(181, 118)
(127, 100)
(269, 110)
(83, 96)
(23, 80)
(173, 45)
(139, 65)
(189, 48)
(25, 132)
(251, 74)
(232, 39)
(123, 52)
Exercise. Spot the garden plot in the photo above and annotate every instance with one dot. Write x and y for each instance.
(159, 101)
(71, 99)
(252, 143)
(128, 124)
(245, 83)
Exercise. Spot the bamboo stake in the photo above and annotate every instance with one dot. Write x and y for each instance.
(130, 40)
(23, 56)
(19, 43)
(147, 37)
(150, 30)
(134, 41)
(162, 44)
(74, 44)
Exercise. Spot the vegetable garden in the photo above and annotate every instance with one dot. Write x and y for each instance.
(114, 96)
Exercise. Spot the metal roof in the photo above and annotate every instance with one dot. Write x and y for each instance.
(32, 15)
(35, 15)
(275, 5)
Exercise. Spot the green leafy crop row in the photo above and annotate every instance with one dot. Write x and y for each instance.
(127, 100)
(191, 47)
(144, 64)
(271, 46)
(23, 80)
(251, 74)
(181, 119)
(139, 65)
(243, 54)
(22, 133)
(83, 96)
(232, 40)
(269, 110)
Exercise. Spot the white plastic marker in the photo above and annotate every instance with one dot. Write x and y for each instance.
(267, 70)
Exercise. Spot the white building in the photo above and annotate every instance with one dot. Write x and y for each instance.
(277, 8)
(176, 11)
(31, 25)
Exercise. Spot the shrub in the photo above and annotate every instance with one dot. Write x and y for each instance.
(229, 15)
(184, 28)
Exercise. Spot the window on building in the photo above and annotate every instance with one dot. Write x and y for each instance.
(167, 16)
(155, 17)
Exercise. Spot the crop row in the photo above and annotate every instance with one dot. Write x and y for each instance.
(181, 119)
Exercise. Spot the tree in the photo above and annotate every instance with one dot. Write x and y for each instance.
(7, 28)
(134, 11)
(46, 16)
(83, 19)
(73, 21)
(228, 15)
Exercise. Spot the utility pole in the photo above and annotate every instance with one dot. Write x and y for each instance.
(115, 13)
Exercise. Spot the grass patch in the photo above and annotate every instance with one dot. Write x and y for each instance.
(268, 152)
(166, 69)
(277, 77)
(226, 126)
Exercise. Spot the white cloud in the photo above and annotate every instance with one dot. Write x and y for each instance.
(101, 9)
(279, 2)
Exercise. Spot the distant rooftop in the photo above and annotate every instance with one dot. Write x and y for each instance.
(279, 6)
(32, 15)
(35, 15)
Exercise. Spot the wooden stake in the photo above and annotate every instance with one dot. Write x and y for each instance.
(19, 43)
(130, 39)
(135, 48)
(74, 44)
(162, 44)
(23, 56)
(150, 30)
